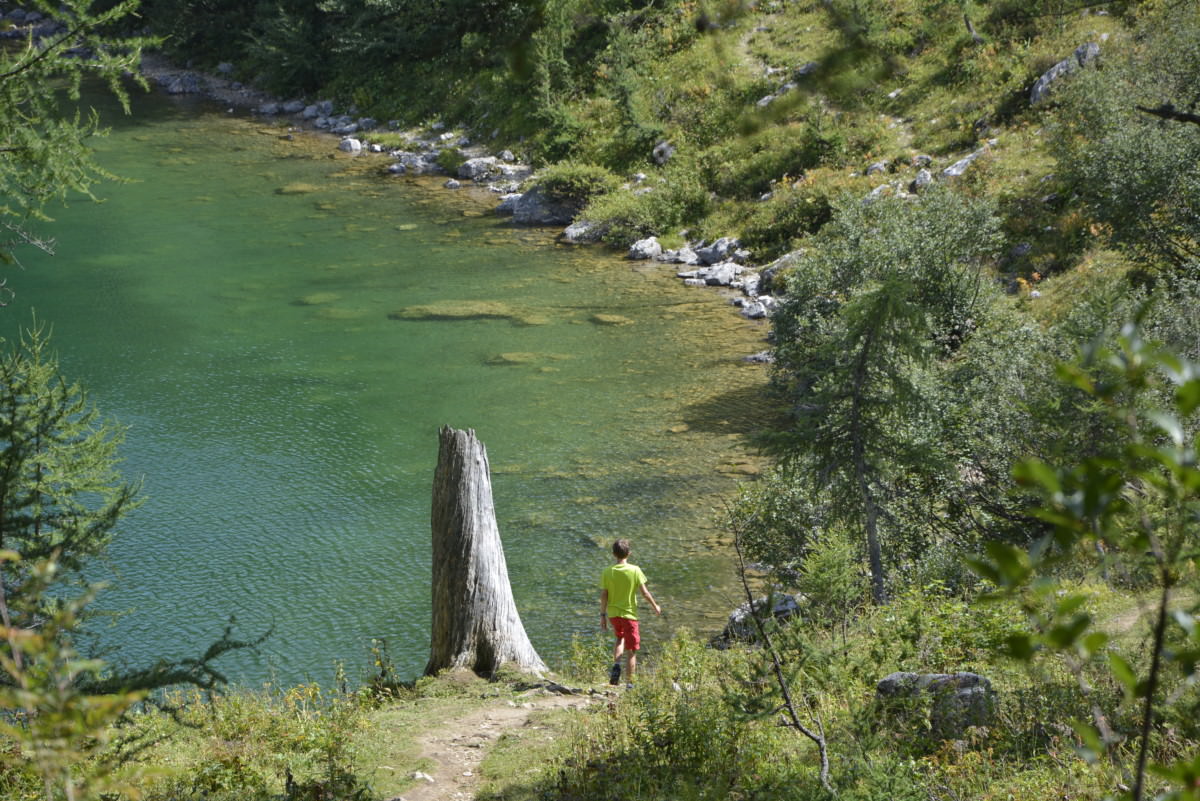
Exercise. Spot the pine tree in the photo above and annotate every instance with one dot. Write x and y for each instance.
(60, 492)
(43, 135)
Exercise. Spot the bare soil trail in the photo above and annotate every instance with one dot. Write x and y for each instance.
(456, 749)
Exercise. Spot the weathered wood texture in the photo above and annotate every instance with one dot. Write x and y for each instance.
(475, 619)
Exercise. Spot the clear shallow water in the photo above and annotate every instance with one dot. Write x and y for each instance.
(269, 320)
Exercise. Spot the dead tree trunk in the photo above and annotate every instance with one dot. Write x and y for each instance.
(475, 620)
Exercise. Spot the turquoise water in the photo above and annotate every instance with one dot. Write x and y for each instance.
(280, 328)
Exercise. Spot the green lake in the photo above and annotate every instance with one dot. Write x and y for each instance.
(275, 323)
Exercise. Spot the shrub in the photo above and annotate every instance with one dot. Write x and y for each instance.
(450, 159)
(654, 210)
(576, 183)
(793, 211)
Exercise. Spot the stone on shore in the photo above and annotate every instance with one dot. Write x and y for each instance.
(582, 232)
(350, 145)
(508, 203)
(721, 250)
(185, 84)
(535, 207)
(479, 169)
(643, 249)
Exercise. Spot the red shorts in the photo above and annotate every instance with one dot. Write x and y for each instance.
(626, 630)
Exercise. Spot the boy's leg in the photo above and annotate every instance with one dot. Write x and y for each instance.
(614, 674)
(632, 665)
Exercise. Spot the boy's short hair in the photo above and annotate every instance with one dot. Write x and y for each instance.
(621, 548)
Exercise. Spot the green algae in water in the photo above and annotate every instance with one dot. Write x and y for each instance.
(284, 381)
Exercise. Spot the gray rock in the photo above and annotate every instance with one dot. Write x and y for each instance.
(293, 107)
(536, 208)
(269, 107)
(770, 279)
(765, 100)
(959, 167)
(420, 163)
(643, 249)
(479, 169)
(1080, 58)
(762, 357)
(325, 108)
(718, 251)
(452, 184)
(515, 172)
(722, 274)
(350, 145)
(955, 701)
(924, 178)
(1020, 250)
(367, 123)
(508, 203)
(397, 169)
(922, 160)
(310, 112)
(662, 152)
(807, 69)
(741, 626)
(685, 255)
(750, 284)
(877, 193)
(437, 126)
(583, 232)
(376, 148)
(694, 282)
(754, 310)
(185, 84)
(345, 129)
(877, 167)
(225, 68)
(322, 123)
(507, 155)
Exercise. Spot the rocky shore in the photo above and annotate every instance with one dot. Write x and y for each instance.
(438, 150)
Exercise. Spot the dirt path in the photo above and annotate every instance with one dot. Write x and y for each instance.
(456, 748)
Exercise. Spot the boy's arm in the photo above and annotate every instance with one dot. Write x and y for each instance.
(604, 610)
(646, 594)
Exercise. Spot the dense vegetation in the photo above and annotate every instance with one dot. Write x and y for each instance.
(989, 460)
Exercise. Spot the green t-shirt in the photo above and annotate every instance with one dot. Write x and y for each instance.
(622, 583)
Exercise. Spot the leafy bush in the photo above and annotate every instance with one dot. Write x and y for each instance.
(1138, 173)
(450, 159)
(256, 745)
(794, 211)
(678, 200)
(576, 183)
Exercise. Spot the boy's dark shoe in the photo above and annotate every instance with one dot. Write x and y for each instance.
(614, 674)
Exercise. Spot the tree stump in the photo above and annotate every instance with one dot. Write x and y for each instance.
(475, 620)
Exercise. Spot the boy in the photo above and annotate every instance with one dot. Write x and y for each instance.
(619, 585)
